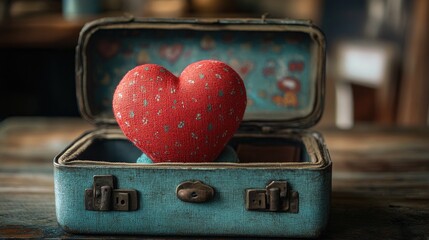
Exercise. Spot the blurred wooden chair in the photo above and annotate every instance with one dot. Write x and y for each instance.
(365, 74)
(414, 94)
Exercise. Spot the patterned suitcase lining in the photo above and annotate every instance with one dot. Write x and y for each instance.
(275, 66)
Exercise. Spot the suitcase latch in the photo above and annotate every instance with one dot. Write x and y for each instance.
(194, 192)
(104, 197)
(276, 197)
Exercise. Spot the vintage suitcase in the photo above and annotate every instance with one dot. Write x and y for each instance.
(281, 186)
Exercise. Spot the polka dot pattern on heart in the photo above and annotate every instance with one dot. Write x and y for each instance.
(189, 118)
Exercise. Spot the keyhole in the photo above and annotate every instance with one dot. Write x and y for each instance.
(122, 201)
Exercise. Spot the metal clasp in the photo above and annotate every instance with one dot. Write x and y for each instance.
(104, 197)
(276, 197)
(194, 192)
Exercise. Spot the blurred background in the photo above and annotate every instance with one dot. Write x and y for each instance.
(377, 55)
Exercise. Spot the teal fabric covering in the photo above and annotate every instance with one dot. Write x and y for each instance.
(227, 155)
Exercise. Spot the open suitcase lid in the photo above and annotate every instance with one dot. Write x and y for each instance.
(282, 63)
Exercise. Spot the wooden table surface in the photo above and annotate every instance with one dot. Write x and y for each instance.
(380, 180)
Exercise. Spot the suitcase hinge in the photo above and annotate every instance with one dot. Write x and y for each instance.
(104, 197)
(276, 197)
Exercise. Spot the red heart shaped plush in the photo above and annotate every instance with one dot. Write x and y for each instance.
(180, 119)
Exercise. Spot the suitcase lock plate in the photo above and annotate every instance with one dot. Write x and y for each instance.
(276, 197)
(104, 197)
(194, 192)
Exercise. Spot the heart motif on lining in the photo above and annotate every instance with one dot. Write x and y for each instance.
(171, 53)
(189, 118)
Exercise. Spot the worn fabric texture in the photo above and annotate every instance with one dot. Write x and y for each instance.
(227, 155)
(189, 118)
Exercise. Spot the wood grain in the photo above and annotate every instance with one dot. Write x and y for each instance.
(380, 180)
(413, 107)
(27, 148)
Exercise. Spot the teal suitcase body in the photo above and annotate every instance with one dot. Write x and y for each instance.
(281, 185)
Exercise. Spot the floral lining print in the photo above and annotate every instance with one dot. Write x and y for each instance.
(275, 66)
